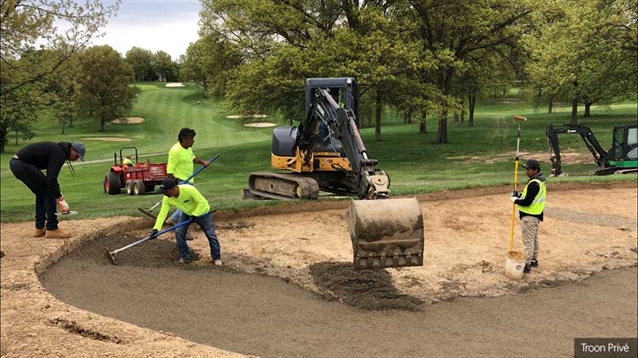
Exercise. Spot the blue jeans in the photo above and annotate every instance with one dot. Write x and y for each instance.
(36, 181)
(207, 225)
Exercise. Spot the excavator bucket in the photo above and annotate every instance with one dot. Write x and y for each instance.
(386, 233)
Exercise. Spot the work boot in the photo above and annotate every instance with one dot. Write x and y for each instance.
(527, 269)
(39, 232)
(185, 261)
(534, 263)
(217, 262)
(58, 233)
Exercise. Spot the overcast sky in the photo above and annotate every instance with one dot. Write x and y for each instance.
(167, 25)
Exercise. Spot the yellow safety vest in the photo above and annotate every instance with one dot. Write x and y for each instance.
(537, 206)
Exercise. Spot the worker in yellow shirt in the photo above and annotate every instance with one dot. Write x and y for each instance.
(128, 161)
(194, 208)
(180, 162)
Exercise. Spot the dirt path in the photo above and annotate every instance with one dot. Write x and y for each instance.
(313, 304)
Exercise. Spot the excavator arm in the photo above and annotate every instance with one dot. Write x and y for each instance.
(372, 183)
(601, 157)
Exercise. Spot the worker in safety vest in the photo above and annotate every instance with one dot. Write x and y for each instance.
(531, 203)
(128, 161)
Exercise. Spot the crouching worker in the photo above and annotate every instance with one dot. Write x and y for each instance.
(195, 208)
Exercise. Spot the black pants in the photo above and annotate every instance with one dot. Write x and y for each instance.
(36, 181)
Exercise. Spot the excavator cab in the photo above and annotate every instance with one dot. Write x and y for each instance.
(625, 146)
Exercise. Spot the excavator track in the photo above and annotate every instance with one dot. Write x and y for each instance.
(283, 186)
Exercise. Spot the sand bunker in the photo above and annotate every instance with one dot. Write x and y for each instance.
(109, 139)
(176, 84)
(260, 124)
(128, 120)
(243, 116)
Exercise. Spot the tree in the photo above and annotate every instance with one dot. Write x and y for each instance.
(451, 32)
(25, 22)
(62, 87)
(105, 84)
(141, 61)
(163, 66)
(24, 68)
(584, 50)
(283, 43)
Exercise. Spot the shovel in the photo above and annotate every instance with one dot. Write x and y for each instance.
(148, 212)
(518, 142)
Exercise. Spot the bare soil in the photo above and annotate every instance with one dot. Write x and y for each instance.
(287, 289)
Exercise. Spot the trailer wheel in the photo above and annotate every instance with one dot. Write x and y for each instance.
(129, 187)
(138, 187)
(112, 183)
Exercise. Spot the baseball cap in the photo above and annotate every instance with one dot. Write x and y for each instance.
(167, 184)
(532, 164)
(79, 147)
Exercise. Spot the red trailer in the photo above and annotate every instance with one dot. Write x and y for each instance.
(136, 177)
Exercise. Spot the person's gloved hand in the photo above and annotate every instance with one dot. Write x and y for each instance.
(516, 193)
(64, 206)
(513, 198)
(154, 233)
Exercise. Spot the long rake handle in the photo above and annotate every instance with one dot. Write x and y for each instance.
(151, 237)
(187, 180)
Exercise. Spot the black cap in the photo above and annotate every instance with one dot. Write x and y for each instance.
(532, 164)
(167, 184)
(79, 147)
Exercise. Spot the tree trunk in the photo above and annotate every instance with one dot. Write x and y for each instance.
(472, 103)
(462, 116)
(574, 119)
(70, 121)
(423, 127)
(377, 117)
(102, 121)
(407, 116)
(456, 118)
(441, 135)
(3, 138)
(587, 109)
(17, 137)
(551, 105)
(63, 125)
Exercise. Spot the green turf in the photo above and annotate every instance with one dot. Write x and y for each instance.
(478, 156)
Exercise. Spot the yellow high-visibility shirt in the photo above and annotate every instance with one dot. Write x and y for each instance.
(190, 201)
(180, 162)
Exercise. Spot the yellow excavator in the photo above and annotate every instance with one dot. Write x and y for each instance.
(325, 152)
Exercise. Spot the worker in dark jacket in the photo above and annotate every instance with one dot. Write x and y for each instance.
(531, 203)
(27, 166)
